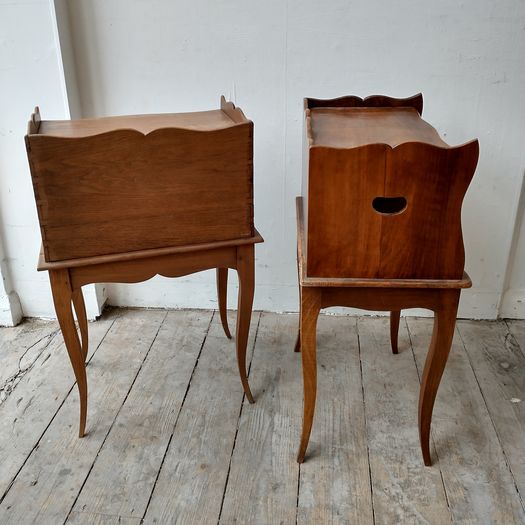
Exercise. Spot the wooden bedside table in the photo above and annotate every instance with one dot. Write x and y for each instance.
(122, 199)
(379, 227)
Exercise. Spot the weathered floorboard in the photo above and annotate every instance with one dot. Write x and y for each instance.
(91, 518)
(45, 489)
(499, 366)
(404, 490)
(477, 480)
(20, 348)
(191, 482)
(25, 415)
(335, 479)
(262, 483)
(124, 473)
(517, 329)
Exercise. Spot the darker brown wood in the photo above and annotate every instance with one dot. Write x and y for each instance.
(382, 229)
(171, 195)
(351, 101)
(394, 329)
(222, 297)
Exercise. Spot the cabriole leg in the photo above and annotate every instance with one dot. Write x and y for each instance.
(310, 307)
(62, 297)
(222, 293)
(246, 273)
(442, 334)
(394, 329)
(80, 311)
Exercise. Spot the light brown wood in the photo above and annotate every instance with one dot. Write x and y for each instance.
(332, 127)
(122, 184)
(62, 298)
(80, 312)
(122, 199)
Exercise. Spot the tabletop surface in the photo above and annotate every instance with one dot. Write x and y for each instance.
(353, 127)
(199, 121)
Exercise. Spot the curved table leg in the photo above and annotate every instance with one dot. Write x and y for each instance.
(80, 311)
(394, 329)
(246, 273)
(62, 297)
(310, 307)
(222, 292)
(442, 334)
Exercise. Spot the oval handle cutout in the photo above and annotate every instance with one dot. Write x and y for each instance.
(389, 205)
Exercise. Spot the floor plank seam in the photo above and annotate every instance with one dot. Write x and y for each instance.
(12, 381)
(434, 448)
(507, 462)
(522, 349)
(365, 419)
(177, 419)
(115, 418)
(238, 421)
(50, 422)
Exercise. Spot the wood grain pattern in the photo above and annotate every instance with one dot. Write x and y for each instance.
(191, 482)
(476, 477)
(403, 490)
(352, 101)
(335, 485)
(347, 238)
(25, 417)
(222, 298)
(263, 476)
(135, 446)
(51, 478)
(122, 199)
(168, 188)
(364, 440)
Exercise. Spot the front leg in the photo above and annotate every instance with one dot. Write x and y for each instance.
(62, 297)
(246, 273)
(310, 307)
(442, 335)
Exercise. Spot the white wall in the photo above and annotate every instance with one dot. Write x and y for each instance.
(162, 55)
(466, 57)
(31, 74)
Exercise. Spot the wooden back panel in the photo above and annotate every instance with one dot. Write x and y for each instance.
(347, 237)
(373, 101)
(123, 190)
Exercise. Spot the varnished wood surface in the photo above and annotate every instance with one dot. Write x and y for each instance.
(122, 184)
(337, 282)
(383, 192)
(353, 127)
(372, 101)
(155, 452)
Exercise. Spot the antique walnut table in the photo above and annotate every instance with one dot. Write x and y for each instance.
(121, 199)
(379, 227)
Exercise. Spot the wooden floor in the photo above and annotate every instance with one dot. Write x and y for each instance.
(171, 438)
